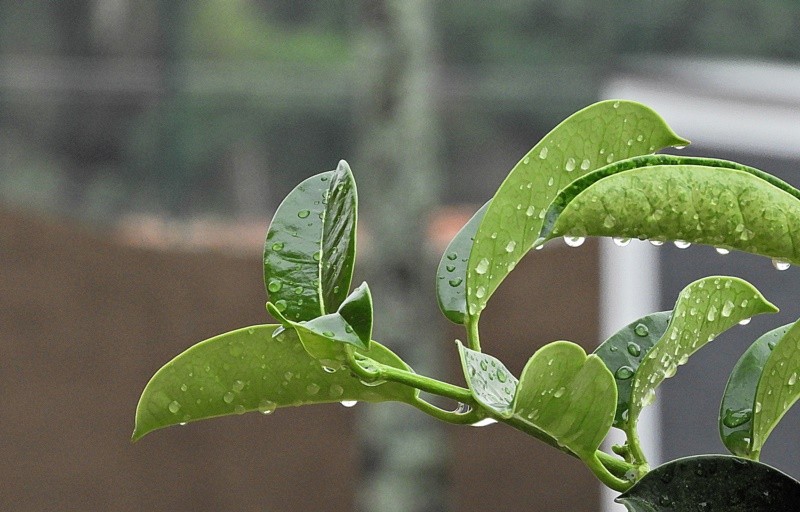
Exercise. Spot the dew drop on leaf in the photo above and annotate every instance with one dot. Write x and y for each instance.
(585, 164)
(274, 286)
(722, 250)
(570, 165)
(303, 213)
(559, 392)
(624, 373)
(621, 241)
(228, 397)
(277, 246)
(455, 282)
(543, 153)
(336, 390)
(634, 349)
(682, 244)
(733, 419)
(267, 406)
(484, 422)
(574, 241)
(780, 264)
(174, 407)
(349, 403)
(482, 266)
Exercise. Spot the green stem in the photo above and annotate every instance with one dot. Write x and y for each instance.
(605, 476)
(456, 418)
(473, 335)
(634, 445)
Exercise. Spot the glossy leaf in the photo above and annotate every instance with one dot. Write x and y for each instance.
(451, 276)
(738, 400)
(704, 309)
(713, 483)
(490, 382)
(568, 395)
(593, 137)
(310, 246)
(324, 336)
(671, 198)
(778, 389)
(624, 351)
(250, 370)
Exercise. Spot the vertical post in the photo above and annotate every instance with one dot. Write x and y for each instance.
(397, 170)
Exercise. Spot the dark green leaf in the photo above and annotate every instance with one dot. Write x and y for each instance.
(310, 246)
(567, 395)
(694, 200)
(778, 388)
(713, 483)
(736, 410)
(490, 382)
(704, 309)
(600, 134)
(251, 370)
(451, 275)
(624, 351)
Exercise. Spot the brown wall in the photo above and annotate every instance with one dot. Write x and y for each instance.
(84, 323)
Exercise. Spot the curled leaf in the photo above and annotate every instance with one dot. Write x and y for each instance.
(490, 382)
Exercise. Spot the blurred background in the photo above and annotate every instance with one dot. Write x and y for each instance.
(145, 144)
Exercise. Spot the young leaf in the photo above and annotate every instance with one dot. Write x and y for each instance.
(624, 351)
(310, 246)
(704, 309)
(712, 483)
(490, 382)
(694, 200)
(738, 400)
(569, 396)
(451, 275)
(323, 337)
(778, 388)
(250, 370)
(593, 137)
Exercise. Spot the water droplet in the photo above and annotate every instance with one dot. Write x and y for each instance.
(758, 407)
(616, 104)
(328, 369)
(682, 244)
(480, 292)
(641, 330)
(657, 243)
(609, 221)
(574, 241)
(649, 397)
(484, 422)
(530, 211)
(238, 385)
(620, 241)
(303, 213)
(281, 305)
(712, 313)
(551, 181)
(526, 160)
(228, 397)
(559, 392)
(184, 387)
(317, 256)
(484, 365)
(267, 406)
(501, 375)
(452, 256)
(585, 164)
(570, 165)
(336, 390)
(450, 268)
(722, 250)
(462, 408)
(610, 158)
(634, 349)
(349, 403)
(624, 373)
(727, 309)
(543, 153)
(312, 389)
(482, 266)
(792, 379)
(733, 419)
(780, 264)
(174, 407)
(277, 246)
(455, 282)
(745, 321)
(239, 409)
(274, 286)
(328, 334)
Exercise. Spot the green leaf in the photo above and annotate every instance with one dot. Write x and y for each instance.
(324, 336)
(704, 309)
(696, 200)
(593, 137)
(452, 272)
(310, 246)
(251, 370)
(778, 389)
(490, 382)
(569, 396)
(713, 483)
(738, 400)
(624, 351)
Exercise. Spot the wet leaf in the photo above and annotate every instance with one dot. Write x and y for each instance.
(704, 309)
(451, 276)
(568, 395)
(778, 388)
(310, 246)
(738, 400)
(624, 351)
(324, 336)
(490, 382)
(593, 137)
(695, 200)
(250, 370)
(713, 483)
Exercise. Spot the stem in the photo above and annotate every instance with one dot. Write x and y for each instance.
(473, 336)
(634, 445)
(603, 474)
(456, 418)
